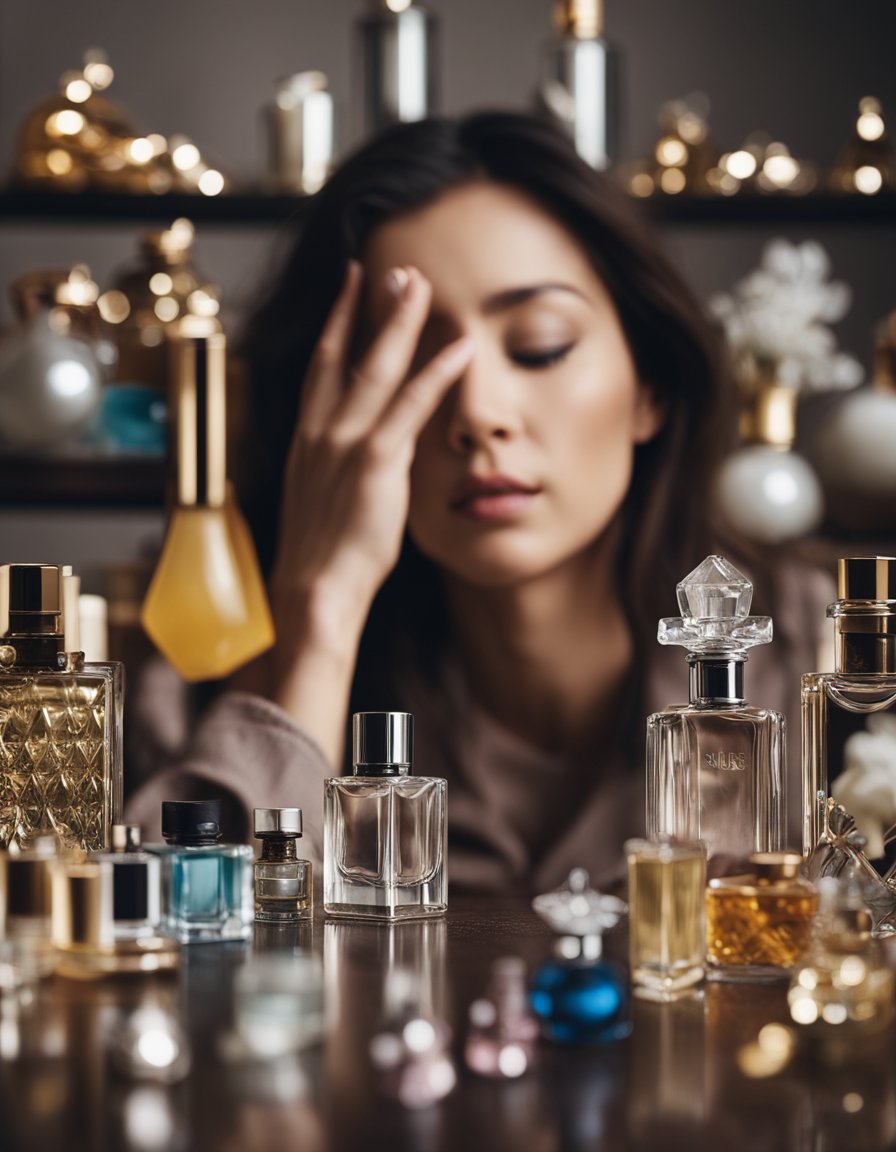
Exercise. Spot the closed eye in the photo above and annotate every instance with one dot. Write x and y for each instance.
(541, 357)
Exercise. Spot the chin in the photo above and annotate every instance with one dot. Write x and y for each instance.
(492, 564)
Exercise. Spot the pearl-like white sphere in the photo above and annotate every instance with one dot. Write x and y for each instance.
(854, 452)
(50, 386)
(770, 495)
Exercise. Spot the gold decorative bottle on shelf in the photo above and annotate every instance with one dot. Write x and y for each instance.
(60, 718)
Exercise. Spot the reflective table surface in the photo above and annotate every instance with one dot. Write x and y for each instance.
(691, 1075)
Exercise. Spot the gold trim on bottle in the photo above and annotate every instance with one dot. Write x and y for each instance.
(769, 417)
(581, 19)
(198, 365)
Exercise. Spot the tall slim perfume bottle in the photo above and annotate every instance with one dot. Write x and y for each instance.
(206, 885)
(385, 834)
(398, 48)
(715, 766)
(60, 718)
(849, 715)
(578, 86)
(206, 608)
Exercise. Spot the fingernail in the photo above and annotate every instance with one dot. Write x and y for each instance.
(397, 281)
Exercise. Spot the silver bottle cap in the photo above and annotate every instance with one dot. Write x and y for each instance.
(382, 740)
(126, 838)
(278, 821)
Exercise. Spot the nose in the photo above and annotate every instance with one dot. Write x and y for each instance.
(482, 406)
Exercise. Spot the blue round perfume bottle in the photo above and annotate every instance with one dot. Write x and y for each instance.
(579, 997)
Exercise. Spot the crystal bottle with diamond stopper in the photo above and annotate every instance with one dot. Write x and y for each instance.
(715, 766)
(60, 718)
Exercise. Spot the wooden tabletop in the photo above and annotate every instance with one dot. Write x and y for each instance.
(690, 1077)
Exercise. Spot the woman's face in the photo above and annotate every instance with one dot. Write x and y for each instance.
(530, 456)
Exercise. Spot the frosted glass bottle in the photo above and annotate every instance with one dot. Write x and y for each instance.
(715, 766)
(849, 715)
(385, 833)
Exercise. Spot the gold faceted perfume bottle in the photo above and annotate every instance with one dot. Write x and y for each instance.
(60, 718)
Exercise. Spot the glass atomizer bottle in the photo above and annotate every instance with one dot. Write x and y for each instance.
(385, 832)
(715, 766)
(206, 885)
(849, 715)
(60, 718)
(283, 885)
(398, 62)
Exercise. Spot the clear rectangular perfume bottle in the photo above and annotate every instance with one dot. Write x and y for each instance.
(60, 718)
(136, 884)
(385, 832)
(715, 766)
(849, 715)
(206, 885)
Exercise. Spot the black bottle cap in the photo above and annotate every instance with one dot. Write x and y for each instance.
(191, 821)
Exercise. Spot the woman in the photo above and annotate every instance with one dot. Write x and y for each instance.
(480, 500)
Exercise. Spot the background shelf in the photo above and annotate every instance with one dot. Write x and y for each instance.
(260, 208)
(82, 481)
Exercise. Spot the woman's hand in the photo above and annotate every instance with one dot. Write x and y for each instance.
(346, 493)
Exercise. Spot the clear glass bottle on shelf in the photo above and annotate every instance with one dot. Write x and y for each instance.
(759, 924)
(206, 885)
(849, 715)
(715, 766)
(60, 718)
(283, 882)
(385, 833)
(25, 908)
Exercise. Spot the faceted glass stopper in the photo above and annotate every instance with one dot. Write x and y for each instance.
(715, 588)
(577, 909)
(715, 604)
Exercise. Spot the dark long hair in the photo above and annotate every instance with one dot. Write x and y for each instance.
(666, 521)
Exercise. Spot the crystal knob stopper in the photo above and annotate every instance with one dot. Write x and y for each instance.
(715, 611)
(577, 909)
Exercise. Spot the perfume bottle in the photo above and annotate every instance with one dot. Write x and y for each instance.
(83, 927)
(715, 766)
(667, 923)
(849, 715)
(579, 997)
(206, 608)
(283, 888)
(60, 718)
(136, 884)
(25, 907)
(843, 988)
(759, 924)
(206, 885)
(502, 1033)
(385, 834)
(578, 87)
(398, 62)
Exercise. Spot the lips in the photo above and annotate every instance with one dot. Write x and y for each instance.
(493, 497)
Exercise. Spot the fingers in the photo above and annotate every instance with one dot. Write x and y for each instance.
(421, 396)
(326, 372)
(382, 370)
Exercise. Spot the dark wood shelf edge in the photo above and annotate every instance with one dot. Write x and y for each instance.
(82, 482)
(253, 207)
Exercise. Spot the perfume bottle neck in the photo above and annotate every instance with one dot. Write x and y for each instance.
(865, 653)
(278, 848)
(46, 651)
(381, 770)
(717, 679)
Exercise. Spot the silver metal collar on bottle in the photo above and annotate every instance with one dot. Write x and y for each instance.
(716, 679)
(382, 743)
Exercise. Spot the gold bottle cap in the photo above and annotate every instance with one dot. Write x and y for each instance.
(126, 838)
(198, 371)
(581, 19)
(33, 589)
(82, 906)
(770, 417)
(866, 578)
(771, 866)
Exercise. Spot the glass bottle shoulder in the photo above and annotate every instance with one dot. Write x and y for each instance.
(198, 851)
(675, 714)
(383, 785)
(877, 690)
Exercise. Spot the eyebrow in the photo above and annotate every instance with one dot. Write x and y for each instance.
(511, 297)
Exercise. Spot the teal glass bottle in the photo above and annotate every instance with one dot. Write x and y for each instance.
(206, 885)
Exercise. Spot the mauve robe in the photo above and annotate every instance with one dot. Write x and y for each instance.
(499, 787)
